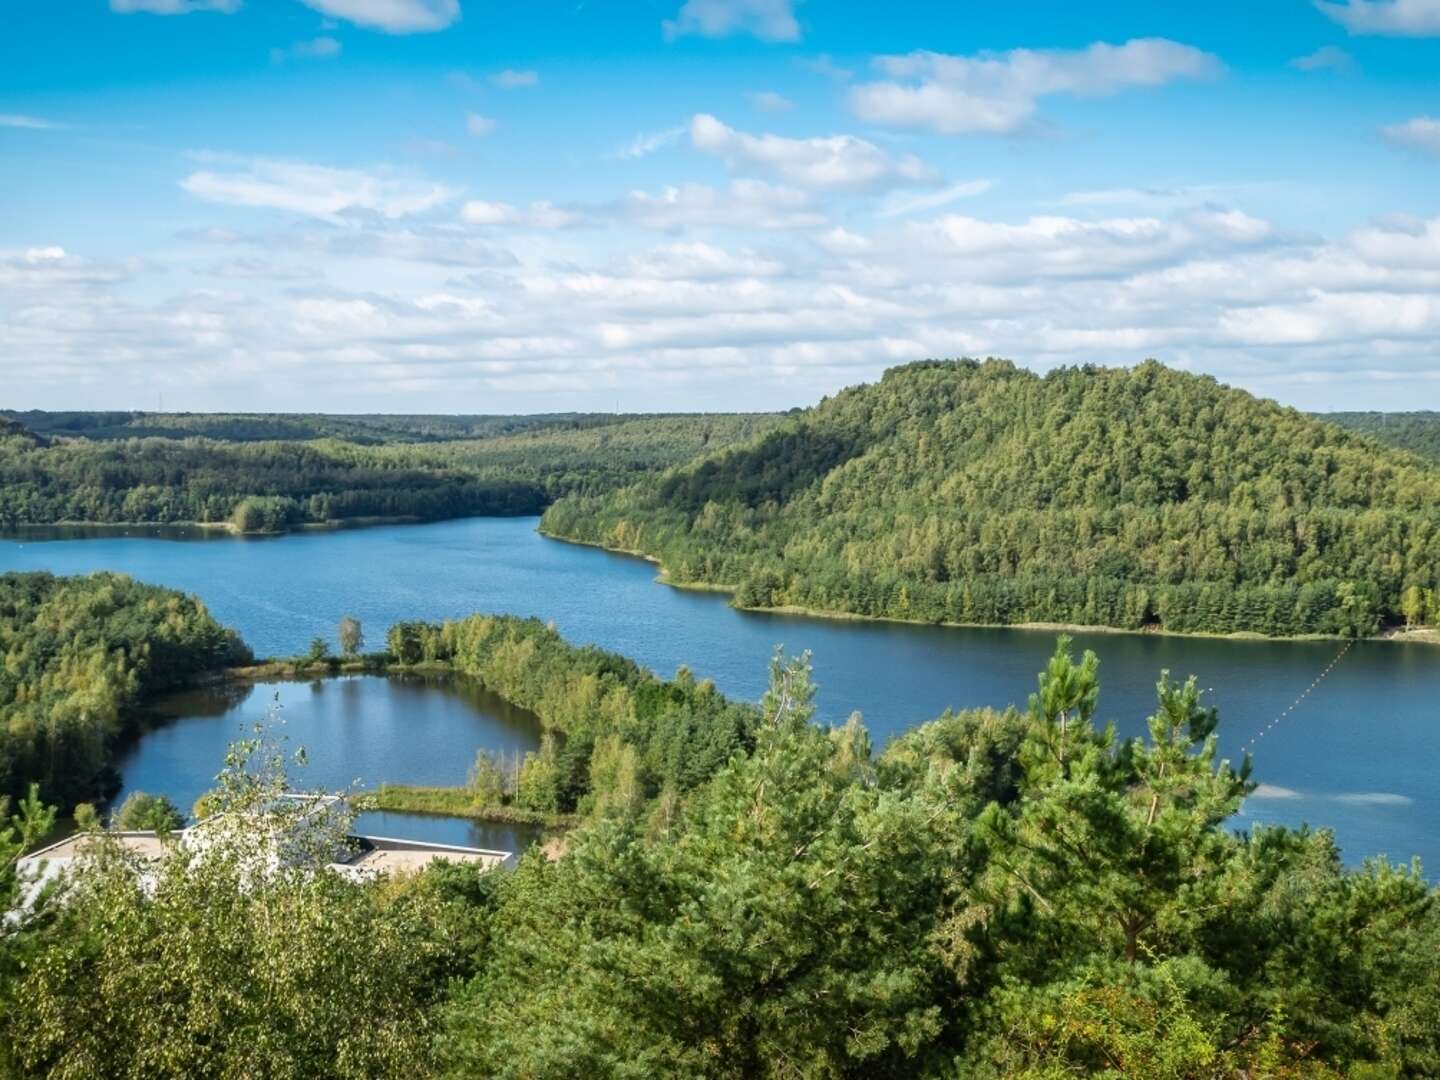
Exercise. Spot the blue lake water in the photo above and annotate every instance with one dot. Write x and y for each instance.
(1358, 755)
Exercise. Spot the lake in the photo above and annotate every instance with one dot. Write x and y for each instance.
(1356, 755)
(358, 731)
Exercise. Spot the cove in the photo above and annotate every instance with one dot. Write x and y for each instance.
(1356, 755)
(358, 731)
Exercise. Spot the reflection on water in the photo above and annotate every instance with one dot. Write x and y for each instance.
(357, 731)
(1359, 754)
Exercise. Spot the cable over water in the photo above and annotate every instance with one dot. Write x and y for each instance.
(1303, 695)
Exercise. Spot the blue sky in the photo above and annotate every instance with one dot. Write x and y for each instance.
(444, 205)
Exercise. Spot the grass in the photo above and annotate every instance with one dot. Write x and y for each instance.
(456, 802)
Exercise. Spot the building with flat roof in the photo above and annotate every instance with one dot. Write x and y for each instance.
(357, 857)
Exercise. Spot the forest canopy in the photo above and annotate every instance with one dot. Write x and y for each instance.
(1016, 894)
(79, 656)
(980, 492)
(267, 474)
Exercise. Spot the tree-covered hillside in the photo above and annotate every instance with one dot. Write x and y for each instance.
(972, 491)
(1416, 431)
(273, 485)
(362, 428)
(77, 655)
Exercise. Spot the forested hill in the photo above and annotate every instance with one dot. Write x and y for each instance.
(364, 429)
(1417, 431)
(981, 492)
(518, 468)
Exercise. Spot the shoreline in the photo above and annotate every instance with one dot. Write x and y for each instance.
(455, 802)
(17, 530)
(1417, 636)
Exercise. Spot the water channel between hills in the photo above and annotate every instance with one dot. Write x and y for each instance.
(1358, 755)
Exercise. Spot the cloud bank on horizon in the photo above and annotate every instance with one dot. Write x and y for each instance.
(425, 205)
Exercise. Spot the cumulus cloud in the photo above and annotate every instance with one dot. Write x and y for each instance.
(511, 79)
(768, 20)
(422, 309)
(538, 215)
(1421, 133)
(174, 7)
(320, 48)
(317, 189)
(999, 93)
(1397, 18)
(1325, 58)
(390, 16)
(833, 162)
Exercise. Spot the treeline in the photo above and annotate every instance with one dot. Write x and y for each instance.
(996, 895)
(364, 429)
(613, 732)
(79, 656)
(1415, 431)
(269, 486)
(969, 491)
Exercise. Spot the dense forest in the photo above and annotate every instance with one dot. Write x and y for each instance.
(1415, 431)
(613, 731)
(269, 486)
(980, 492)
(80, 654)
(1014, 894)
(362, 428)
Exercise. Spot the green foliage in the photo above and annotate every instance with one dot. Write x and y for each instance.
(214, 961)
(279, 471)
(983, 493)
(996, 895)
(671, 735)
(79, 655)
(147, 813)
(1418, 432)
(31, 822)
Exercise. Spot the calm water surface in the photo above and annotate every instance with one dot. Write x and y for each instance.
(1358, 755)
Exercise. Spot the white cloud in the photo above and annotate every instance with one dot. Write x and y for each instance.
(320, 48)
(317, 190)
(1421, 133)
(1399, 18)
(998, 93)
(478, 125)
(834, 162)
(33, 123)
(898, 204)
(538, 215)
(768, 20)
(511, 79)
(648, 142)
(769, 101)
(391, 16)
(174, 7)
(744, 204)
(1325, 58)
